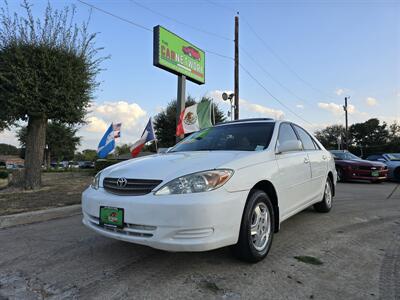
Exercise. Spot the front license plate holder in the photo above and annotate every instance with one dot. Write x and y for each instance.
(375, 173)
(111, 216)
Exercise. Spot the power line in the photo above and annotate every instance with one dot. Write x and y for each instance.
(115, 16)
(270, 94)
(180, 22)
(282, 61)
(272, 77)
(144, 27)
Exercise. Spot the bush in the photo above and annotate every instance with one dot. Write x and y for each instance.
(3, 174)
(101, 164)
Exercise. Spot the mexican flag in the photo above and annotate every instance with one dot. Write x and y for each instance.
(194, 118)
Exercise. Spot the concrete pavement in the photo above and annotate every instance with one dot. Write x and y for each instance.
(358, 243)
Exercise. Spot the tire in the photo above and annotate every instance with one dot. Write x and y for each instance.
(254, 245)
(340, 175)
(326, 204)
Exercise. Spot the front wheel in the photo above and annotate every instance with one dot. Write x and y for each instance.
(257, 228)
(326, 204)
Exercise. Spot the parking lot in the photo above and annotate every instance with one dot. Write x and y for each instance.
(357, 247)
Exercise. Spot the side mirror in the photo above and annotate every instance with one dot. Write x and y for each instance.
(293, 145)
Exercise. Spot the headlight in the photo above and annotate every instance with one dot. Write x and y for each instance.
(96, 181)
(196, 183)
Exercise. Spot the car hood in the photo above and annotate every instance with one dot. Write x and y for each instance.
(360, 162)
(392, 163)
(171, 165)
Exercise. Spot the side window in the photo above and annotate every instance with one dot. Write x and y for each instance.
(308, 143)
(286, 133)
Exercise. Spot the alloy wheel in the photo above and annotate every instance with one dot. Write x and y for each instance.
(260, 228)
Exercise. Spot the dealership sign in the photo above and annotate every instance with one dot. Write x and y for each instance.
(174, 54)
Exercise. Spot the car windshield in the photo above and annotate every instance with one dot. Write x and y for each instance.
(393, 156)
(345, 155)
(234, 137)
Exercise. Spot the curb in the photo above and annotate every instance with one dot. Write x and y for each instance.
(39, 216)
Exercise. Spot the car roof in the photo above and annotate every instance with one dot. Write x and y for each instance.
(250, 120)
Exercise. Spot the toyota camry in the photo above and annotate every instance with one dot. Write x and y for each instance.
(229, 185)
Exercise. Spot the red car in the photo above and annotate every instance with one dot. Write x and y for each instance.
(351, 167)
(191, 52)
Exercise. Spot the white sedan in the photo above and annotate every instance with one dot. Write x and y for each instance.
(231, 184)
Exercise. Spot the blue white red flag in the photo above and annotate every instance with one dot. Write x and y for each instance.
(107, 143)
(147, 136)
(117, 130)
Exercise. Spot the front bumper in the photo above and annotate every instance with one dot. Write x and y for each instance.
(356, 174)
(188, 222)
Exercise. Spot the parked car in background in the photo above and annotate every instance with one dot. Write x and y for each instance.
(73, 165)
(229, 185)
(392, 161)
(86, 165)
(351, 167)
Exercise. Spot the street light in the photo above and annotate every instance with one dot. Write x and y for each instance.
(229, 97)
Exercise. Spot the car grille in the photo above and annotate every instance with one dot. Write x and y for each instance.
(368, 168)
(133, 187)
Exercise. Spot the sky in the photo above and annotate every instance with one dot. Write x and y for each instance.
(307, 55)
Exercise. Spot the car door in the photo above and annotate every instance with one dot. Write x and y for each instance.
(318, 162)
(294, 174)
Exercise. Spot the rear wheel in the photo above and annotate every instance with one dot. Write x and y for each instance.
(257, 228)
(326, 204)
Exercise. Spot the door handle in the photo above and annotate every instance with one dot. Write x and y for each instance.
(306, 161)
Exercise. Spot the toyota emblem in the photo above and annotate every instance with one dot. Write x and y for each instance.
(122, 182)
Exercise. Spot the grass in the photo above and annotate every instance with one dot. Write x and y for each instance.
(58, 189)
(309, 260)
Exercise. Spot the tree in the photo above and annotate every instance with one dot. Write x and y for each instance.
(47, 72)
(123, 149)
(165, 121)
(61, 140)
(6, 149)
(329, 136)
(86, 155)
(370, 134)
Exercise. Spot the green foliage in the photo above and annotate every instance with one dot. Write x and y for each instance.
(61, 140)
(47, 66)
(329, 136)
(104, 163)
(165, 121)
(122, 149)
(3, 174)
(86, 155)
(365, 138)
(6, 149)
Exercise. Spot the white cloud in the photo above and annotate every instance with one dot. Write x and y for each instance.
(252, 109)
(9, 137)
(337, 109)
(131, 115)
(371, 101)
(339, 91)
(301, 106)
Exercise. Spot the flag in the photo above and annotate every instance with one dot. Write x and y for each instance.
(194, 118)
(147, 136)
(117, 130)
(107, 143)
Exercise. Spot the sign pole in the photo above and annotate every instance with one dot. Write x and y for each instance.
(236, 92)
(180, 100)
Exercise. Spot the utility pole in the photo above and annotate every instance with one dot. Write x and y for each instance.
(236, 92)
(347, 124)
